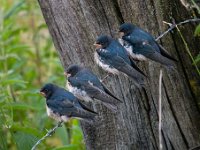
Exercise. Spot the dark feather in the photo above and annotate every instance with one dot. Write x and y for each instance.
(93, 91)
(165, 53)
(64, 108)
(108, 92)
(161, 59)
(86, 108)
(122, 66)
(135, 67)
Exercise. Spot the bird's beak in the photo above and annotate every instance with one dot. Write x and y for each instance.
(97, 46)
(121, 34)
(43, 94)
(67, 74)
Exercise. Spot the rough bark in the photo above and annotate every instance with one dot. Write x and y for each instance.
(74, 26)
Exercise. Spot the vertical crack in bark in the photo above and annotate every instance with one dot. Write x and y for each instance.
(164, 142)
(118, 12)
(107, 20)
(170, 142)
(156, 110)
(146, 98)
(146, 104)
(155, 13)
(152, 131)
(174, 115)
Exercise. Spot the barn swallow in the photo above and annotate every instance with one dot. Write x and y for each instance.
(84, 84)
(112, 57)
(141, 45)
(62, 105)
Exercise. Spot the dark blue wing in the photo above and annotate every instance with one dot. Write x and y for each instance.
(92, 90)
(165, 53)
(145, 36)
(62, 94)
(138, 39)
(116, 47)
(69, 109)
(118, 63)
(61, 106)
(86, 75)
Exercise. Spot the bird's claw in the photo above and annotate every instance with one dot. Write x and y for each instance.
(60, 124)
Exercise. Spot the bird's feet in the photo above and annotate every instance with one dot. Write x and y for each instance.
(60, 124)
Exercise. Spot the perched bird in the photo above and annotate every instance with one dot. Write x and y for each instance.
(141, 45)
(86, 86)
(62, 105)
(112, 57)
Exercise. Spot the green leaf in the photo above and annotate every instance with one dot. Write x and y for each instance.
(77, 135)
(197, 59)
(68, 147)
(15, 56)
(13, 81)
(197, 31)
(21, 106)
(3, 145)
(19, 47)
(3, 74)
(29, 130)
(63, 135)
(23, 140)
(2, 99)
(13, 9)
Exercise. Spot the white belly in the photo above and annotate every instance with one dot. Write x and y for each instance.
(56, 116)
(129, 49)
(104, 66)
(138, 56)
(82, 95)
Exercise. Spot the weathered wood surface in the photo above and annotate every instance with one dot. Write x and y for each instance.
(74, 26)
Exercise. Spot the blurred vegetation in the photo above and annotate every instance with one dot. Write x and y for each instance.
(197, 31)
(28, 60)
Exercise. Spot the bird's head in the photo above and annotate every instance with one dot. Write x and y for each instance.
(125, 29)
(47, 90)
(102, 41)
(72, 70)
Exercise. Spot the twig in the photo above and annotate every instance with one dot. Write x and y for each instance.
(174, 25)
(160, 111)
(49, 133)
(188, 51)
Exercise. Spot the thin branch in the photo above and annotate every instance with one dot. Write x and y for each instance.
(160, 111)
(174, 25)
(188, 51)
(49, 133)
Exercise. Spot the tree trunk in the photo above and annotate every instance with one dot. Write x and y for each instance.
(74, 26)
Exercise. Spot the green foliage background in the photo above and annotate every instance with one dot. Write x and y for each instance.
(28, 60)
